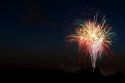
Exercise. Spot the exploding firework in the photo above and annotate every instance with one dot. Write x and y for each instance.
(93, 38)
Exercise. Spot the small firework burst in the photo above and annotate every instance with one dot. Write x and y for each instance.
(93, 39)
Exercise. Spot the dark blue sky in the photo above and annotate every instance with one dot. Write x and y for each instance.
(41, 26)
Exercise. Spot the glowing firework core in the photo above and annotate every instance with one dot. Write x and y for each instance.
(92, 38)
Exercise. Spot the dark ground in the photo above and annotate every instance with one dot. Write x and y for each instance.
(54, 75)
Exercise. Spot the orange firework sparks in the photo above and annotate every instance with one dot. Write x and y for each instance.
(93, 39)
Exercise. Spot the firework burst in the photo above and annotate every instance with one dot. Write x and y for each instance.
(93, 39)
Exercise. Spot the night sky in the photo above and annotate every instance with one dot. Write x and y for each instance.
(32, 32)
